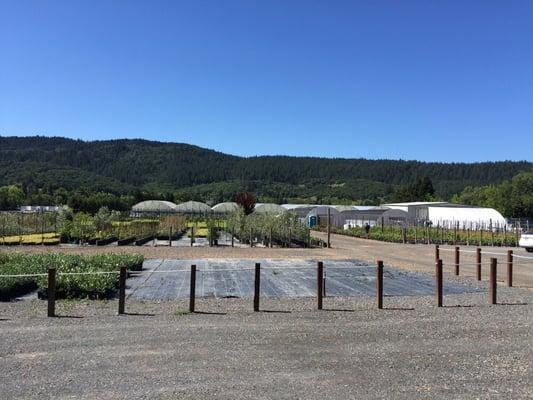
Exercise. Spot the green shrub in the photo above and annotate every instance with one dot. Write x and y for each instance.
(67, 286)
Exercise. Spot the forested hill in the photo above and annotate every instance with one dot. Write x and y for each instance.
(121, 166)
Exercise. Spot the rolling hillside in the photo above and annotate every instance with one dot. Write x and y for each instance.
(123, 166)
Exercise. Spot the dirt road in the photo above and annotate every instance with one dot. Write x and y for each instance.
(421, 257)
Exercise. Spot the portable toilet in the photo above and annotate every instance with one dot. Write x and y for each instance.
(312, 221)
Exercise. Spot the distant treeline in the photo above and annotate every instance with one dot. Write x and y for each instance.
(117, 173)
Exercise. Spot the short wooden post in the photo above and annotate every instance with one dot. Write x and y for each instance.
(51, 292)
(319, 287)
(493, 284)
(456, 260)
(438, 282)
(192, 290)
(379, 284)
(122, 290)
(257, 286)
(509, 268)
(478, 263)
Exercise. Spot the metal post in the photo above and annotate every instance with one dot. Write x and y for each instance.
(456, 260)
(122, 290)
(192, 290)
(257, 286)
(51, 292)
(379, 284)
(510, 268)
(438, 282)
(319, 277)
(478, 263)
(493, 284)
(329, 227)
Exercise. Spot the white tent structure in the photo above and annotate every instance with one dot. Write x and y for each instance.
(153, 207)
(269, 208)
(225, 208)
(193, 207)
(452, 215)
(466, 218)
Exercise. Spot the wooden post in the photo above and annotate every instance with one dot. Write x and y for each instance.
(170, 237)
(437, 253)
(456, 260)
(192, 235)
(493, 284)
(329, 227)
(382, 224)
(509, 268)
(192, 290)
(379, 284)
(438, 282)
(51, 292)
(122, 290)
(478, 263)
(516, 235)
(257, 286)
(319, 287)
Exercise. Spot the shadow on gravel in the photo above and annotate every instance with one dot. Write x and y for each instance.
(399, 308)
(134, 314)
(459, 306)
(338, 310)
(210, 313)
(69, 316)
(276, 311)
(512, 304)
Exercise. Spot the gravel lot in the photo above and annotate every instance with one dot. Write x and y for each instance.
(411, 350)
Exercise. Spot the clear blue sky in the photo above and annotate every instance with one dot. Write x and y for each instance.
(429, 80)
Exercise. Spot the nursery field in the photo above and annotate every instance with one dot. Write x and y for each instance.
(78, 276)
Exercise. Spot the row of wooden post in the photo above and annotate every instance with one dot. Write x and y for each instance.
(457, 251)
(321, 287)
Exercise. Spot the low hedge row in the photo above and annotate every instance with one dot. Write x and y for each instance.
(68, 286)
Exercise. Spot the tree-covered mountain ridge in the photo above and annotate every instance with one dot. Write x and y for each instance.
(122, 165)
